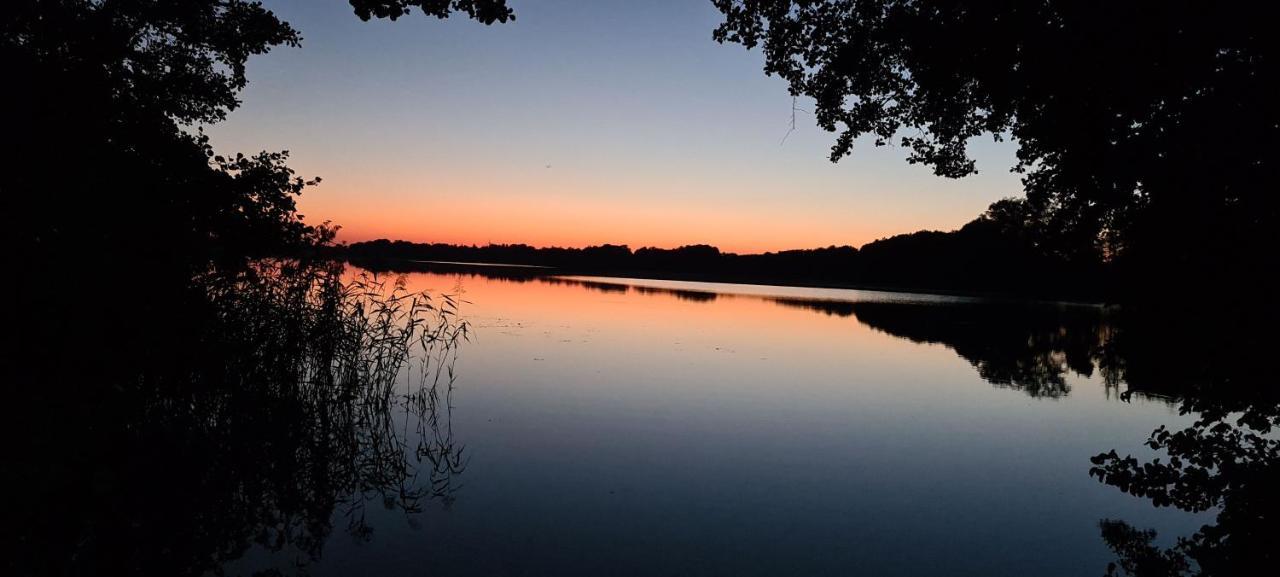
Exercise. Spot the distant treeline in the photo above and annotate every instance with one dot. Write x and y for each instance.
(984, 256)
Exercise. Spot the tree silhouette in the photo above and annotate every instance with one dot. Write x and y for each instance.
(1146, 132)
(487, 11)
(104, 160)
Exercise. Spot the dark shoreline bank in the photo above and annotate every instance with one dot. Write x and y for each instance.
(508, 270)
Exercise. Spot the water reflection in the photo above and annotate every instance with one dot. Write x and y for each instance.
(740, 429)
(1227, 462)
(279, 407)
(1029, 347)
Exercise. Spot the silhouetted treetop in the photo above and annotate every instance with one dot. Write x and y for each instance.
(1135, 122)
(101, 163)
(486, 11)
(184, 59)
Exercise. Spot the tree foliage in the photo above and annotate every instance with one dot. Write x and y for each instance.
(486, 11)
(104, 156)
(1144, 129)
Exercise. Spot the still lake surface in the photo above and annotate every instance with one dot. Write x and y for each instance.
(642, 427)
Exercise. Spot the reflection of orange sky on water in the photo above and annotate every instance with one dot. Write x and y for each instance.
(631, 313)
(561, 341)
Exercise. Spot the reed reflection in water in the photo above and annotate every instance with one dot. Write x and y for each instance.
(277, 405)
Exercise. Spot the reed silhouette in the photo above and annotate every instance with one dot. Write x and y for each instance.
(287, 402)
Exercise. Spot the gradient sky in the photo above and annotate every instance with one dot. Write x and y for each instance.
(443, 130)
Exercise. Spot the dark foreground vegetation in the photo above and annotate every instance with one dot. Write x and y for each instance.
(185, 382)
(263, 420)
(1129, 118)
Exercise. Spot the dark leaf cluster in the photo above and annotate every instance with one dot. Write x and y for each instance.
(486, 11)
(1146, 131)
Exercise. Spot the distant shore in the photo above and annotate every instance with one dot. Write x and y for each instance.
(977, 260)
(512, 270)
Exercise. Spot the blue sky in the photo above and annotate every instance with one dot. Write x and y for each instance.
(579, 123)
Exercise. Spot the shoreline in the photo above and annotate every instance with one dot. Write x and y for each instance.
(520, 270)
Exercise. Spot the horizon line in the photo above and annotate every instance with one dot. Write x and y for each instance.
(637, 248)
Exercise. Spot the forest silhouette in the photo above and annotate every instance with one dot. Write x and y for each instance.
(993, 254)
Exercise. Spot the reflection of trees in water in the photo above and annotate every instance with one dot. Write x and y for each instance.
(268, 411)
(696, 296)
(602, 287)
(827, 307)
(1227, 461)
(681, 294)
(1029, 347)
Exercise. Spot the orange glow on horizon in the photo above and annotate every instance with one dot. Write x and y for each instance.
(352, 234)
(549, 134)
(529, 233)
(557, 219)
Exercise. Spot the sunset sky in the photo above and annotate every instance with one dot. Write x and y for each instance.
(607, 121)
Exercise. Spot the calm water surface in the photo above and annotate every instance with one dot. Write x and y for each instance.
(639, 427)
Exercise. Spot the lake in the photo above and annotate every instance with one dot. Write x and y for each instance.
(640, 427)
